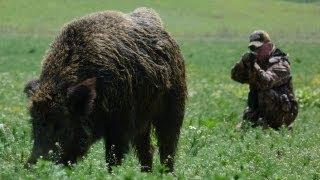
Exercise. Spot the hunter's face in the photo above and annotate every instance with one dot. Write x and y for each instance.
(263, 52)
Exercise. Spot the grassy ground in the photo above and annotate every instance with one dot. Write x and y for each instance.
(212, 37)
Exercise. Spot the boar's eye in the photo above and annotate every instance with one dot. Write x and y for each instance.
(58, 125)
(42, 123)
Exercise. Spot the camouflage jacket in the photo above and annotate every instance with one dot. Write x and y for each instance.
(271, 90)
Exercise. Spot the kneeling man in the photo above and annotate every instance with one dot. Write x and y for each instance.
(271, 100)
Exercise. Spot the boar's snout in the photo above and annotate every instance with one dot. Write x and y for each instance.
(35, 155)
(31, 161)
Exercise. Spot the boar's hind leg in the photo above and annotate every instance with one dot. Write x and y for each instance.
(144, 149)
(167, 127)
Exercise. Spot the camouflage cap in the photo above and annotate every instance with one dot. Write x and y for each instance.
(258, 38)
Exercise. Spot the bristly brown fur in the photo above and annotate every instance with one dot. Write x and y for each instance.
(114, 76)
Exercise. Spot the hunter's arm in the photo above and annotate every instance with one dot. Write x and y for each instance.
(240, 72)
(276, 75)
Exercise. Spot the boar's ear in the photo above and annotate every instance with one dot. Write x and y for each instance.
(81, 96)
(31, 87)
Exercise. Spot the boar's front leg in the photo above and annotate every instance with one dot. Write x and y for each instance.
(117, 139)
(116, 147)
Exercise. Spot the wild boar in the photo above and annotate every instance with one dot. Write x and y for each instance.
(114, 76)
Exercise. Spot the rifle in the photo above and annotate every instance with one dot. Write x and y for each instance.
(249, 59)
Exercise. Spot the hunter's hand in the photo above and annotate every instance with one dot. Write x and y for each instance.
(248, 59)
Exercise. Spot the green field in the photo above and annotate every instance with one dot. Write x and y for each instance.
(212, 35)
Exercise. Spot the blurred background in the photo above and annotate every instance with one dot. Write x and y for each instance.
(290, 20)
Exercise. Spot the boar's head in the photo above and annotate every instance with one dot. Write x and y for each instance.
(60, 126)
